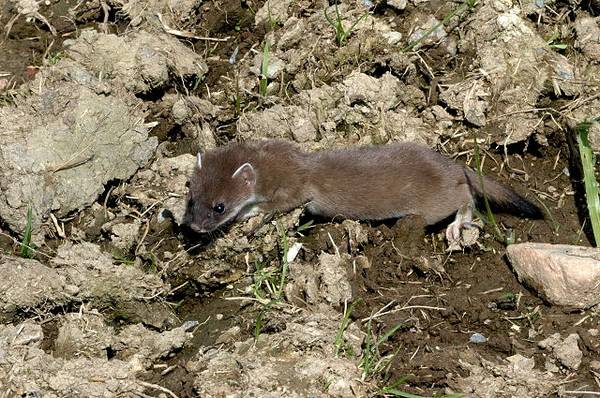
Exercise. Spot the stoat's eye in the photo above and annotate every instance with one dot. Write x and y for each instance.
(219, 208)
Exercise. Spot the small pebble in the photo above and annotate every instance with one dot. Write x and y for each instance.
(368, 3)
(189, 325)
(477, 338)
(234, 55)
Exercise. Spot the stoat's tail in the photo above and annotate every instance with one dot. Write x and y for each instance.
(503, 197)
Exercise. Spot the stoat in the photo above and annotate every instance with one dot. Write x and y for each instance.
(239, 180)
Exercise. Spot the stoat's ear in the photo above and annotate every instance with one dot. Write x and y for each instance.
(246, 173)
(199, 160)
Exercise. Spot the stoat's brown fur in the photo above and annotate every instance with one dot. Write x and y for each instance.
(368, 183)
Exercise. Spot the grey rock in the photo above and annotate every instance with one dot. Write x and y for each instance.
(562, 274)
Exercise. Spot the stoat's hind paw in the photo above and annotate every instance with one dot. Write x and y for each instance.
(463, 219)
(453, 232)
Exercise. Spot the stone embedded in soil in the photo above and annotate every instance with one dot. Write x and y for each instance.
(82, 335)
(127, 290)
(397, 4)
(272, 12)
(565, 350)
(28, 333)
(594, 137)
(274, 68)
(433, 37)
(136, 342)
(123, 235)
(193, 116)
(279, 122)
(561, 274)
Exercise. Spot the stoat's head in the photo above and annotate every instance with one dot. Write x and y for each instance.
(221, 186)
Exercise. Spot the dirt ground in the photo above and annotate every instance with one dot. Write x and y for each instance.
(400, 281)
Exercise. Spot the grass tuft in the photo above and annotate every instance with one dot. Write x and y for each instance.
(341, 34)
(285, 247)
(339, 337)
(264, 70)
(551, 40)
(588, 162)
(372, 363)
(54, 57)
(467, 5)
(269, 283)
(27, 251)
(489, 215)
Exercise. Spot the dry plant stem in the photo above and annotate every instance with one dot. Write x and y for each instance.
(34, 14)
(141, 242)
(157, 387)
(185, 34)
(106, 10)
(59, 230)
(72, 163)
(409, 307)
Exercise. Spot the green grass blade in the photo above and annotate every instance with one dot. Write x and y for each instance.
(397, 393)
(264, 70)
(466, 5)
(26, 250)
(354, 25)
(339, 338)
(389, 333)
(488, 210)
(284, 254)
(329, 20)
(588, 162)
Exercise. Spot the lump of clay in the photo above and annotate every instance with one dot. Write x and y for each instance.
(61, 146)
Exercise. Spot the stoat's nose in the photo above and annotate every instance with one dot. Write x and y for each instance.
(198, 228)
